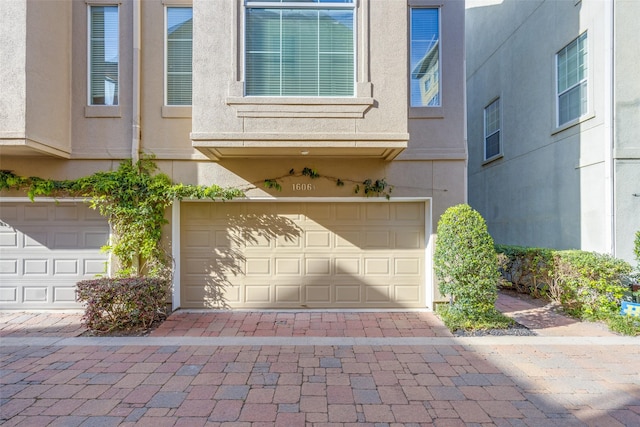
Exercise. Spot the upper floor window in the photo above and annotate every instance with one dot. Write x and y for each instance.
(425, 57)
(572, 80)
(103, 55)
(492, 147)
(179, 44)
(299, 48)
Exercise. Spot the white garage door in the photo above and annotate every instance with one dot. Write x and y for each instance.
(296, 255)
(45, 249)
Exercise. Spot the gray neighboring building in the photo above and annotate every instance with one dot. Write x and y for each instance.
(553, 104)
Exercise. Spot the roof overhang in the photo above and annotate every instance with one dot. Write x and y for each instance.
(246, 145)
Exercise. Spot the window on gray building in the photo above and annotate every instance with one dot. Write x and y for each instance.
(572, 80)
(179, 44)
(103, 55)
(299, 48)
(425, 57)
(492, 145)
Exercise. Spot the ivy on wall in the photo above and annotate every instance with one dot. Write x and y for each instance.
(133, 198)
(368, 187)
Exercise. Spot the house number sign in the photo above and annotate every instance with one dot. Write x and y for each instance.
(302, 187)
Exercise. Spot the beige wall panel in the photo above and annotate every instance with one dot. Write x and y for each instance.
(48, 73)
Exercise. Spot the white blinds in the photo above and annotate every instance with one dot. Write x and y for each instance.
(425, 57)
(179, 55)
(306, 51)
(103, 55)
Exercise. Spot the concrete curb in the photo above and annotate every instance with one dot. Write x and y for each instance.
(317, 341)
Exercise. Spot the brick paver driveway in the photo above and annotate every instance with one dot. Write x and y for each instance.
(298, 380)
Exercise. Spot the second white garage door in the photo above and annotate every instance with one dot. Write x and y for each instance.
(45, 249)
(297, 255)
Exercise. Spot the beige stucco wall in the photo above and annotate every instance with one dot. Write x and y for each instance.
(101, 131)
(48, 73)
(12, 72)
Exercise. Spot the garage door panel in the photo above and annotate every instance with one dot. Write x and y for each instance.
(288, 294)
(64, 294)
(408, 212)
(377, 266)
(408, 240)
(36, 213)
(378, 294)
(407, 266)
(8, 266)
(378, 211)
(407, 294)
(35, 267)
(377, 240)
(347, 266)
(9, 294)
(63, 267)
(318, 294)
(288, 266)
(46, 248)
(318, 266)
(307, 254)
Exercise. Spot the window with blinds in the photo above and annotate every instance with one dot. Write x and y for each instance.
(572, 80)
(300, 48)
(103, 55)
(492, 146)
(179, 47)
(425, 57)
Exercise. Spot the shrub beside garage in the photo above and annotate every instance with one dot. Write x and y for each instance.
(588, 285)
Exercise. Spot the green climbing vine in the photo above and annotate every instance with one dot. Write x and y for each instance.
(368, 187)
(133, 198)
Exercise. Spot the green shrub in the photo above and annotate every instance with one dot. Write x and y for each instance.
(123, 304)
(589, 285)
(528, 270)
(465, 262)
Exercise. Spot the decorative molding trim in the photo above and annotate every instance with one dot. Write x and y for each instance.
(300, 107)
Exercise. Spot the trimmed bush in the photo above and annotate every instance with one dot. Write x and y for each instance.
(589, 285)
(123, 304)
(465, 262)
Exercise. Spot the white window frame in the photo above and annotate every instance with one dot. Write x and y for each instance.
(166, 55)
(284, 4)
(90, 104)
(498, 131)
(439, 46)
(584, 80)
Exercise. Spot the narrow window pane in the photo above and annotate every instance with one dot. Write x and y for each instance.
(299, 52)
(103, 55)
(179, 55)
(425, 57)
(492, 130)
(572, 80)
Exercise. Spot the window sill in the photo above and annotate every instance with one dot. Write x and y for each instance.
(573, 123)
(176, 112)
(492, 159)
(426, 113)
(274, 107)
(102, 111)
